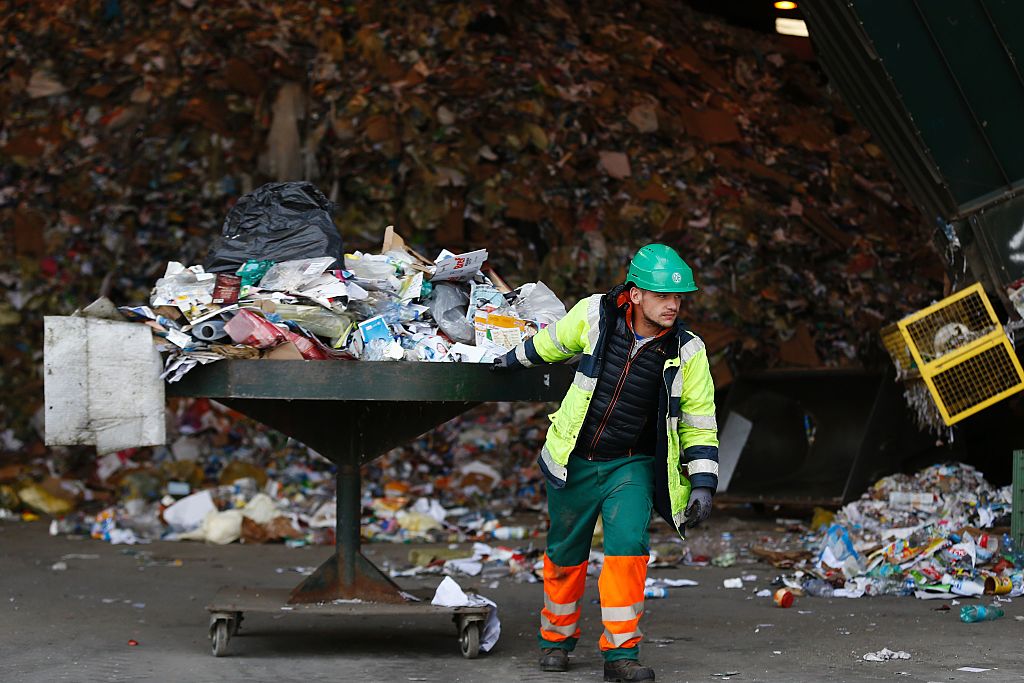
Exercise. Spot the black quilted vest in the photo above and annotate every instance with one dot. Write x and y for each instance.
(623, 410)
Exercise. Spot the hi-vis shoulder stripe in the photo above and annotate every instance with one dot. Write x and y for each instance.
(553, 334)
(521, 356)
(689, 350)
(699, 421)
(702, 466)
(594, 320)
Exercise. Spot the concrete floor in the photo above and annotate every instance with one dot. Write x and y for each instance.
(75, 625)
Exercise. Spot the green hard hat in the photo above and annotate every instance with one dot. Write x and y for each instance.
(659, 268)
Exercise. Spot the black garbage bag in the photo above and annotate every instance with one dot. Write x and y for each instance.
(279, 222)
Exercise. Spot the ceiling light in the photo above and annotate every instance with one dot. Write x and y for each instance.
(791, 27)
(785, 4)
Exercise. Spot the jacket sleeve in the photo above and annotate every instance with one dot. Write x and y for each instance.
(698, 430)
(556, 342)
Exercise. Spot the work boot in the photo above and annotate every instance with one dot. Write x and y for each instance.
(626, 670)
(554, 659)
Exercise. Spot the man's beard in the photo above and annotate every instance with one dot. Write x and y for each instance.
(657, 323)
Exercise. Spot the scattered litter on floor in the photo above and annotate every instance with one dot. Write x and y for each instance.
(885, 654)
(450, 594)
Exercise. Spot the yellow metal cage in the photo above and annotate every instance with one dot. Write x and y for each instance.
(961, 352)
(892, 340)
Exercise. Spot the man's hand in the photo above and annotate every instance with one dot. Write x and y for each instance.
(699, 507)
(501, 362)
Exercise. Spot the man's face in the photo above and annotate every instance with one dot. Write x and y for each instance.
(657, 308)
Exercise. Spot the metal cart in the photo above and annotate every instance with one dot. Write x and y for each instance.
(351, 413)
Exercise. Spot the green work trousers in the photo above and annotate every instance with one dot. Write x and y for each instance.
(621, 491)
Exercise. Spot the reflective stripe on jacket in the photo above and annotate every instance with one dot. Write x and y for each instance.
(688, 432)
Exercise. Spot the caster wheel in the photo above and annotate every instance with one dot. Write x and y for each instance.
(219, 636)
(469, 640)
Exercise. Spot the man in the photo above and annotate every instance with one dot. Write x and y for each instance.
(635, 430)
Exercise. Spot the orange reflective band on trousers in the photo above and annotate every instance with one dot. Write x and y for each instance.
(622, 600)
(563, 589)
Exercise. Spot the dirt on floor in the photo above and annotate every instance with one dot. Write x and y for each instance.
(137, 613)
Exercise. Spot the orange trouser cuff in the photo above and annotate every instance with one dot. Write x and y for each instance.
(563, 590)
(622, 600)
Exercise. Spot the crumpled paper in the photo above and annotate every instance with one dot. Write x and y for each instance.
(450, 594)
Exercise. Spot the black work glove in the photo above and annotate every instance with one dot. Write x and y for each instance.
(699, 507)
(501, 362)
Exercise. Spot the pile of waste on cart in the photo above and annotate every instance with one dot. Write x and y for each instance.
(279, 287)
(939, 534)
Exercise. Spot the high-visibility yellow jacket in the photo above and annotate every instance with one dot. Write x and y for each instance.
(687, 450)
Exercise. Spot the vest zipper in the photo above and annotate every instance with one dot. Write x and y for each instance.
(615, 395)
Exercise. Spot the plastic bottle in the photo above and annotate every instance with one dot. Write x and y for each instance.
(973, 613)
(655, 592)
(316, 319)
(888, 585)
(505, 533)
(698, 551)
(818, 588)
(1017, 578)
(725, 552)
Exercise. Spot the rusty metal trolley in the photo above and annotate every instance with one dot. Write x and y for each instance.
(351, 413)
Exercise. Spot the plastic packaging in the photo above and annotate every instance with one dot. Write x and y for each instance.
(279, 222)
(655, 592)
(539, 304)
(183, 288)
(837, 551)
(973, 613)
(289, 276)
(253, 330)
(884, 586)
(308, 349)
(725, 552)
(370, 266)
(818, 588)
(252, 271)
(395, 313)
(967, 587)
(505, 533)
(209, 330)
(383, 349)
(316, 319)
(783, 598)
(448, 304)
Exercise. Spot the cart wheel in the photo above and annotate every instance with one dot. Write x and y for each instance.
(219, 636)
(469, 640)
(236, 624)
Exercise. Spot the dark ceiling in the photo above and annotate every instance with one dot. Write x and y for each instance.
(755, 14)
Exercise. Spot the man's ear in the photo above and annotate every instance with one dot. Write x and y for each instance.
(635, 294)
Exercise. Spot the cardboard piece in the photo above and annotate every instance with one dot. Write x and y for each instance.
(102, 384)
